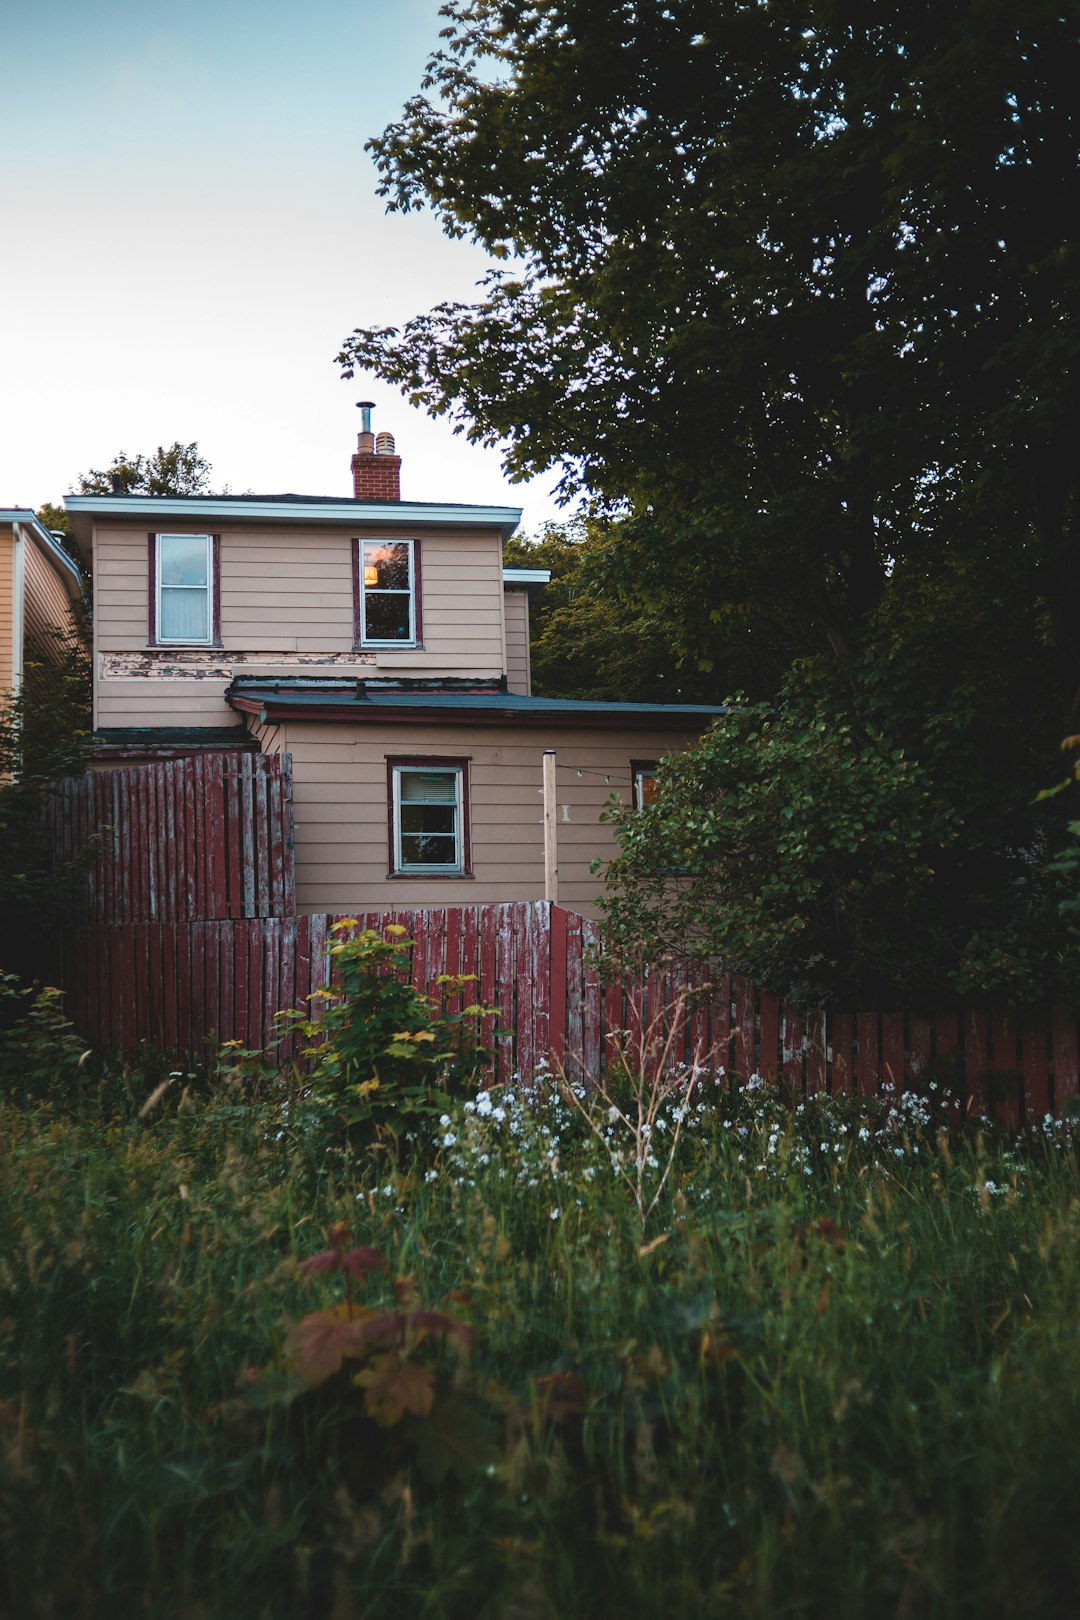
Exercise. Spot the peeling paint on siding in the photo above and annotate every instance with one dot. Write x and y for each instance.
(170, 665)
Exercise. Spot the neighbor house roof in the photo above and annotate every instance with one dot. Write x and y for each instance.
(377, 701)
(290, 509)
(46, 542)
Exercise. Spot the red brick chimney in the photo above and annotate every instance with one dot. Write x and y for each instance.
(376, 469)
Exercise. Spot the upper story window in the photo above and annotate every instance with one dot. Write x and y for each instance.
(387, 593)
(184, 598)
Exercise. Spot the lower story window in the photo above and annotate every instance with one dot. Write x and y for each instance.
(428, 812)
(644, 775)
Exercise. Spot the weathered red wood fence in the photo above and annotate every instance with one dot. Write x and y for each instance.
(188, 985)
(195, 839)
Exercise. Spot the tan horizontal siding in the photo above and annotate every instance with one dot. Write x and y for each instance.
(291, 590)
(45, 599)
(162, 703)
(516, 610)
(7, 607)
(340, 793)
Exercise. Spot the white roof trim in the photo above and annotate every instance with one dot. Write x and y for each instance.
(381, 514)
(526, 576)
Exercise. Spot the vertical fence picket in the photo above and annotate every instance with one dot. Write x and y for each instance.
(155, 984)
(304, 985)
(504, 977)
(745, 1032)
(261, 839)
(947, 1065)
(1007, 1079)
(977, 1101)
(452, 956)
(770, 1060)
(1036, 1068)
(253, 927)
(792, 1053)
(191, 857)
(698, 1033)
(136, 835)
(229, 1028)
(288, 893)
(867, 1065)
(673, 1014)
(745, 1055)
(470, 962)
(220, 836)
(276, 820)
(246, 791)
(488, 991)
(816, 1053)
(892, 1052)
(615, 1018)
(840, 1063)
(525, 983)
(272, 981)
(592, 997)
(286, 992)
(654, 1008)
(557, 983)
(1063, 1042)
(575, 980)
(917, 1060)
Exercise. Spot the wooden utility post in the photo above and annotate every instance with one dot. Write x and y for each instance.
(551, 832)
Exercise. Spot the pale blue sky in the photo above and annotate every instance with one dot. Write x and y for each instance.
(190, 229)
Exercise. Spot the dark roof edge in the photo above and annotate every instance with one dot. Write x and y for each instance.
(371, 711)
(168, 742)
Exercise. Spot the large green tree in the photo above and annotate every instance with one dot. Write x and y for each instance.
(792, 292)
(787, 280)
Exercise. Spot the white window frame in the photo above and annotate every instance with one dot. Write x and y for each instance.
(208, 588)
(365, 639)
(430, 868)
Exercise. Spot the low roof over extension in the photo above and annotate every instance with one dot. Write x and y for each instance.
(451, 702)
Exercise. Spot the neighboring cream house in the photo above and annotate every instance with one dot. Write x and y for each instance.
(38, 583)
(382, 644)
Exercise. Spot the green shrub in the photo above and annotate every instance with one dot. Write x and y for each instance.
(41, 1057)
(385, 1056)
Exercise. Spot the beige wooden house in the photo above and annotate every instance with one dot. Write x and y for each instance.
(38, 583)
(383, 645)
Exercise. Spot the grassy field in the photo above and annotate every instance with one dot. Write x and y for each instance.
(245, 1372)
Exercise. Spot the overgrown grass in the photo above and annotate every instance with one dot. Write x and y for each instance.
(836, 1371)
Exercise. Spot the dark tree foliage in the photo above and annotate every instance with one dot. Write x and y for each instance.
(792, 291)
(43, 733)
(788, 277)
(178, 470)
(870, 837)
(593, 635)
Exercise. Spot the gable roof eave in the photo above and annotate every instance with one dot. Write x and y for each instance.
(294, 509)
(48, 545)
